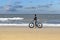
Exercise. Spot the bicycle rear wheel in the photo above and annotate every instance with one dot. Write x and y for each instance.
(31, 25)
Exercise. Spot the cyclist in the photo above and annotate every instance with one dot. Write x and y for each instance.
(35, 19)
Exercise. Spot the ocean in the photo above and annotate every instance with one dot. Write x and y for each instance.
(27, 18)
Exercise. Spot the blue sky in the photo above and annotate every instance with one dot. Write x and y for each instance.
(29, 6)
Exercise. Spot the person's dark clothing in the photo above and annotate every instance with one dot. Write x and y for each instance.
(35, 18)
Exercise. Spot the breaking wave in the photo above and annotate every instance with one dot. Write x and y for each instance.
(14, 18)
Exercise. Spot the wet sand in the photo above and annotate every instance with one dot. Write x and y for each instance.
(25, 33)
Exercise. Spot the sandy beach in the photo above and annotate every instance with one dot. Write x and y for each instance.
(25, 33)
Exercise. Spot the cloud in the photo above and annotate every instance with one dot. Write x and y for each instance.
(52, 11)
(30, 7)
(11, 8)
(30, 2)
(1, 7)
(45, 6)
(40, 6)
(18, 6)
(7, 7)
(18, 2)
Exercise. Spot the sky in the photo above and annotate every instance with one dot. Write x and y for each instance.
(29, 6)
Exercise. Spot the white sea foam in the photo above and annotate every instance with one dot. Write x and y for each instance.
(14, 18)
(51, 25)
(14, 24)
(44, 25)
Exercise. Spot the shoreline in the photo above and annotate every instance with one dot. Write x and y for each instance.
(44, 25)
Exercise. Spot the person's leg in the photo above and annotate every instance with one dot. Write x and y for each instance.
(35, 21)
